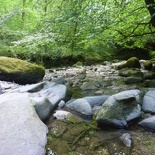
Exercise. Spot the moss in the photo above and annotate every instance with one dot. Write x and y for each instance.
(67, 136)
(79, 63)
(20, 71)
(120, 109)
(133, 62)
(131, 72)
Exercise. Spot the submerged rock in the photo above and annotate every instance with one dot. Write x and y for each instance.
(126, 139)
(134, 72)
(110, 123)
(91, 85)
(132, 80)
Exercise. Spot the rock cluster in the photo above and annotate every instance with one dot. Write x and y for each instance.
(114, 101)
(21, 112)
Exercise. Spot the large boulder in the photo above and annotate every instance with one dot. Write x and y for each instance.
(120, 109)
(21, 112)
(45, 96)
(22, 132)
(19, 71)
(133, 62)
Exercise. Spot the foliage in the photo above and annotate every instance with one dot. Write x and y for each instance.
(93, 28)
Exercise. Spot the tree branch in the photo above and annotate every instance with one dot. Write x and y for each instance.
(135, 35)
(150, 4)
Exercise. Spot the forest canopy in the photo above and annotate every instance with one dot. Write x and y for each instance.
(39, 29)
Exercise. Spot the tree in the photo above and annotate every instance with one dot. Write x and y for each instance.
(91, 28)
(150, 4)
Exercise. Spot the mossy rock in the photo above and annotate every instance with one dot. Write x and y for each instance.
(122, 109)
(133, 62)
(149, 75)
(19, 71)
(148, 65)
(133, 80)
(79, 63)
(67, 137)
(131, 72)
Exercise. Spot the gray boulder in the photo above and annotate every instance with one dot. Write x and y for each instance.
(119, 109)
(22, 132)
(135, 93)
(149, 102)
(42, 106)
(45, 96)
(34, 87)
(96, 100)
(148, 123)
(81, 106)
(126, 139)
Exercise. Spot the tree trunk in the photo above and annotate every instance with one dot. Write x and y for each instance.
(23, 12)
(151, 8)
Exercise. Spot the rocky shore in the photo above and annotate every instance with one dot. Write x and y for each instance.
(110, 111)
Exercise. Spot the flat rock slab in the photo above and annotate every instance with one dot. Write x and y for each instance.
(21, 130)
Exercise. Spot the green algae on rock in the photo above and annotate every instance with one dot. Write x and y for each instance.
(73, 136)
(19, 71)
(133, 62)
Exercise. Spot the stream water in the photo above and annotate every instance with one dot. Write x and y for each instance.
(93, 140)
